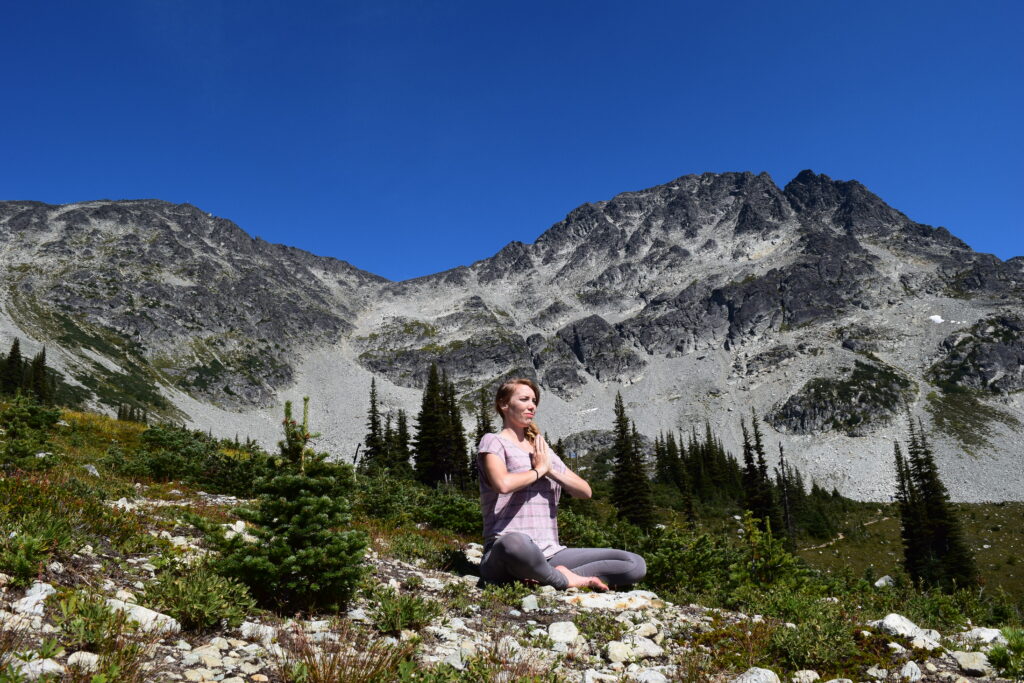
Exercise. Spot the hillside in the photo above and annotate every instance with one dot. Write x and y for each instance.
(120, 519)
(816, 304)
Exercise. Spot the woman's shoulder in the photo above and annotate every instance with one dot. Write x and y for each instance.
(490, 443)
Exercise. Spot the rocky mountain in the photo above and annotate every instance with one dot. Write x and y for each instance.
(817, 305)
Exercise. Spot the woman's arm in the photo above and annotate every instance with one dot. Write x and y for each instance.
(575, 485)
(503, 481)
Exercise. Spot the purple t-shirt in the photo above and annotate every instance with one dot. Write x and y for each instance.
(532, 510)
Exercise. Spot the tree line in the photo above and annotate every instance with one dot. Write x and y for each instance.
(29, 377)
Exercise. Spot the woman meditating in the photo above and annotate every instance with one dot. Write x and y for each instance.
(521, 480)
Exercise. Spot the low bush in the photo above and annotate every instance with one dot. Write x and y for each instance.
(85, 622)
(1009, 659)
(395, 612)
(199, 598)
(26, 427)
(452, 511)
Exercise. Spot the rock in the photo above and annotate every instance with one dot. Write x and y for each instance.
(757, 675)
(645, 630)
(563, 631)
(38, 668)
(126, 596)
(251, 630)
(149, 620)
(32, 603)
(896, 625)
(981, 635)
(85, 661)
(648, 676)
(508, 646)
(805, 676)
(594, 676)
(877, 673)
(618, 651)
(643, 648)
(972, 663)
(529, 603)
(911, 672)
(924, 643)
(896, 648)
(637, 599)
(91, 469)
(885, 582)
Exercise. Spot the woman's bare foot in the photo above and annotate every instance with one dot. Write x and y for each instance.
(577, 581)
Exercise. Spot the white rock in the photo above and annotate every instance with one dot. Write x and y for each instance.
(648, 676)
(885, 582)
(645, 630)
(508, 646)
(757, 675)
(973, 663)
(56, 567)
(644, 647)
(982, 635)
(805, 676)
(91, 469)
(563, 632)
(529, 603)
(637, 599)
(86, 661)
(594, 676)
(251, 630)
(357, 614)
(148, 620)
(40, 667)
(896, 625)
(618, 651)
(877, 673)
(924, 643)
(32, 603)
(911, 672)
(124, 595)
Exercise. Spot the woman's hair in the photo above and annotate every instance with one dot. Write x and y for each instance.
(504, 395)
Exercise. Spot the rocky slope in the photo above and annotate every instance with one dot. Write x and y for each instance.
(579, 636)
(816, 304)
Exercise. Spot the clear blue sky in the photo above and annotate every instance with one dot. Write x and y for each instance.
(411, 137)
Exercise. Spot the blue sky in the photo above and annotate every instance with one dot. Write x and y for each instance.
(411, 137)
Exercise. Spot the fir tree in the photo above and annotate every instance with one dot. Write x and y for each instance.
(399, 449)
(631, 489)
(374, 444)
(39, 382)
(934, 549)
(302, 557)
(458, 449)
(12, 373)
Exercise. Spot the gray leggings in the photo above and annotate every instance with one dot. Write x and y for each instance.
(515, 556)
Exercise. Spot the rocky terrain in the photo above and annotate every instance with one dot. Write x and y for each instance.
(578, 636)
(816, 304)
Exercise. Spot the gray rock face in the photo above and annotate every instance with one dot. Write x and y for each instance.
(709, 294)
(989, 357)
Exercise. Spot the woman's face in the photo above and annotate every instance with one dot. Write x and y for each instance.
(520, 409)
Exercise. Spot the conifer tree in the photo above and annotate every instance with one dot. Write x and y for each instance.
(38, 380)
(935, 552)
(458, 449)
(399, 451)
(631, 489)
(12, 374)
(302, 558)
(374, 444)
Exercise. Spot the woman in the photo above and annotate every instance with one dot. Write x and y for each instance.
(521, 480)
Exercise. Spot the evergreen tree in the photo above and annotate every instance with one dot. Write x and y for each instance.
(12, 374)
(39, 381)
(399, 452)
(374, 444)
(302, 558)
(631, 489)
(458, 449)
(757, 490)
(935, 552)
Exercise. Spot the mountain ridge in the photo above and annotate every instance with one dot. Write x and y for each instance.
(670, 294)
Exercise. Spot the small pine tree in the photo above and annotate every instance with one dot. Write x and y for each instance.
(431, 430)
(39, 381)
(302, 557)
(631, 488)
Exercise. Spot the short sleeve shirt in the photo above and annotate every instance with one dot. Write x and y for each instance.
(532, 510)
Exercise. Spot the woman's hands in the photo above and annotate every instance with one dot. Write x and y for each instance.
(541, 457)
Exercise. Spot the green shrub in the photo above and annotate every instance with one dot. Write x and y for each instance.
(578, 531)
(398, 500)
(450, 510)
(26, 428)
(505, 594)
(687, 564)
(199, 598)
(303, 557)
(421, 549)
(1009, 658)
(85, 622)
(395, 612)
(22, 556)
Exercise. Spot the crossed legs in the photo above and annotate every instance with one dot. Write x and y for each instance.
(515, 556)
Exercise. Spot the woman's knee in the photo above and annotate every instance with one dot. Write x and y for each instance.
(639, 569)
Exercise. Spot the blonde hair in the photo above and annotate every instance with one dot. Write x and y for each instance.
(504, 395)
